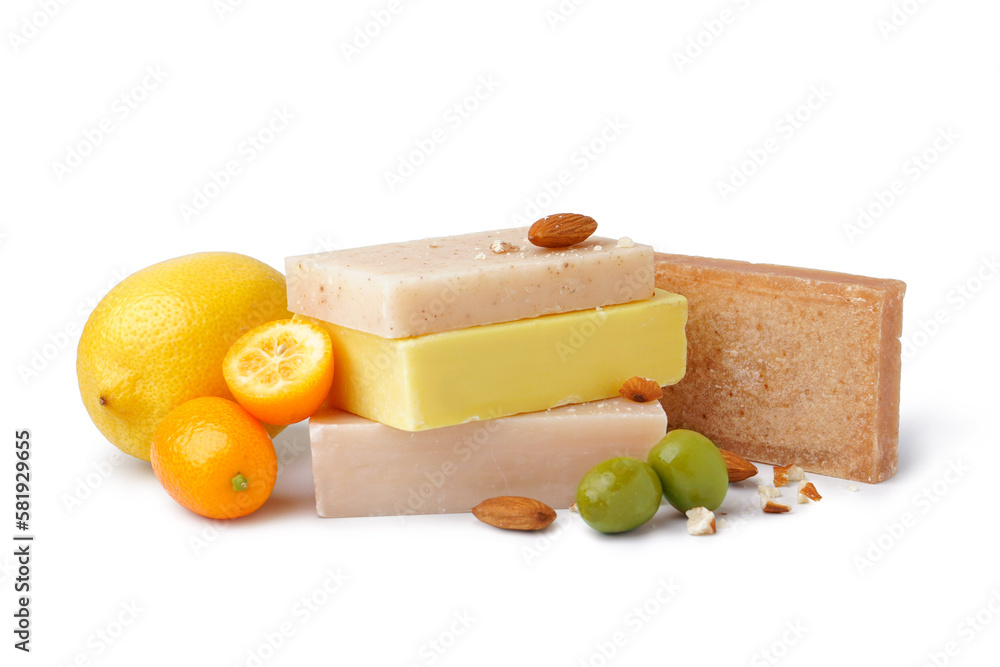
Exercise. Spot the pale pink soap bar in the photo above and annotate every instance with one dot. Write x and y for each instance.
(432, 285)
(364, 468)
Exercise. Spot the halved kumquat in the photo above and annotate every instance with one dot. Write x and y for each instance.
(281, 371)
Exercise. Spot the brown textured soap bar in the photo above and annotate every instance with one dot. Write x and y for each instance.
(790, 365)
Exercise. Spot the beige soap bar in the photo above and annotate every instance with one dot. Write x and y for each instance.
(789, 365)
(432, 285)
(363, 468)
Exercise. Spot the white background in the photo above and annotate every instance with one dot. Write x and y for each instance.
(856, 587)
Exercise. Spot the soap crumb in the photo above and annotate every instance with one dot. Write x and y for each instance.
(853, 488)
(433, 245)
(625, 242)
(500, 247)
(597, 247)
(481, 255)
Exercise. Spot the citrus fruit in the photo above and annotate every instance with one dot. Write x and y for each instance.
(158, 338)
(281, 371)
(214, 458)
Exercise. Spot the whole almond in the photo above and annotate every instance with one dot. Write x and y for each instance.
(514, 513)
(561, 230)
(738, 467)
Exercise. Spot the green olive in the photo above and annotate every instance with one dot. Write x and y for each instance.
(619, 495)
(691, 470)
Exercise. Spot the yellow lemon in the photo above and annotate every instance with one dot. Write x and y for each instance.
(159, 337)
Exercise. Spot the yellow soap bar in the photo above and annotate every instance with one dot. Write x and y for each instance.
(496, 370)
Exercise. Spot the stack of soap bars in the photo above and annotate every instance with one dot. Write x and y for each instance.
(480, 365)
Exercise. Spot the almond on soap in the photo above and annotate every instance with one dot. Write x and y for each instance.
(561, 230)
(641, 390)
